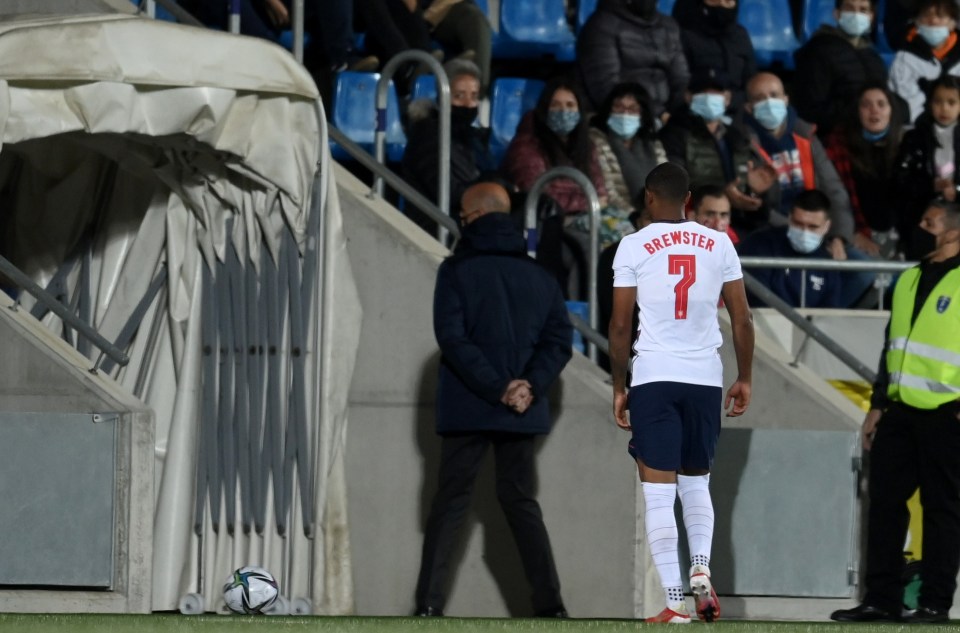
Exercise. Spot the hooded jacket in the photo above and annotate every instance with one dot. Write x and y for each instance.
(617, 45)
(497, 316)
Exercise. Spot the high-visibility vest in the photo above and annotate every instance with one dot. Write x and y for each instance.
(923, 358)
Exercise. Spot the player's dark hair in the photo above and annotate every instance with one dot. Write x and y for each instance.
(668, 182)
(706, 191)
(812, 200)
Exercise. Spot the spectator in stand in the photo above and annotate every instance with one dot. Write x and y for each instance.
(835, 64)
(926, 167)
(864, 153)
(931, 52)
(628, 40)
(710, 207)
(470, 157)
(788, 143)
(624, 136)
(897, 21)
(700, 138)
(556, 133)
(713, 40)
(803, 237)
(463, 29)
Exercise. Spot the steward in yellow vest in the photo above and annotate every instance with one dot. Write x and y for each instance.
(912, 432)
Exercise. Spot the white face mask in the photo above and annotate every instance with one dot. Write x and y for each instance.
(933, 35)
(854, 23)
(803, 241)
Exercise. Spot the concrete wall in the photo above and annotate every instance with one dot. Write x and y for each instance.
(42, 374)
(588, 485)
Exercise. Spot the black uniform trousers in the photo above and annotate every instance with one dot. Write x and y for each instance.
(460, 460)
(914, 447)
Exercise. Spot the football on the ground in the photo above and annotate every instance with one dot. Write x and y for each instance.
(250, 590)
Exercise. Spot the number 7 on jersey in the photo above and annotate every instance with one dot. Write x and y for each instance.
(686, 267)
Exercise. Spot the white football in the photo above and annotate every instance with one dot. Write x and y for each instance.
(250, 590)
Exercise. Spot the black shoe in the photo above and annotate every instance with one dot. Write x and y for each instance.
(428, 612)
(864, 613)
(558, 612)
(926, 615)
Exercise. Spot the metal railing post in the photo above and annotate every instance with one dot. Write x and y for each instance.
(380, 136)
(593, 251)
(233, 24)
(296, 21)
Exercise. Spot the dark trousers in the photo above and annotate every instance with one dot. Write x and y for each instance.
(460, 459)
(914, 448)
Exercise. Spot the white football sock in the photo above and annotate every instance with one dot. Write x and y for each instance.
(697, 515)
(661, 527)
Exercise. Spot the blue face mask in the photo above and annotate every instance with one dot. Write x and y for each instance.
(933, 35)
(873, 137)
(624, 125)
(770, 113)
(853, 23)
(708, 106)
(803, 241)
(562, 122)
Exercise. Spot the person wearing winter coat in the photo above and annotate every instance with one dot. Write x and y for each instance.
(931, 51)
(470, 157)
(835, 64)
(504, 337)
(628, 40)
(714, 41)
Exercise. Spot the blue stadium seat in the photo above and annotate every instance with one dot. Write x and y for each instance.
(883, 44)
(815, 13)
(531, 29)
(585, 9)
(770, 25)
(424, 87)
(666, 6)
(511, 98)
(355, 114)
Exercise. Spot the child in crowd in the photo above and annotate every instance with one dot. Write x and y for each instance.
(926, 167)
(931, 51)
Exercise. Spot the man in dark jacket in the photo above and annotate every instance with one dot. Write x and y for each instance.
(713, 41)
(835, 64)
(504, 336)
(628, 40)
(803, 237)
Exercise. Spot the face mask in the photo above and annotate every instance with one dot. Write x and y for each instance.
(854, 24)
(624, 125)
(924, 242)
(562, 122)
(803, 241)
(933, 35)
(708, 106)
(770, 113)
(873, 137)
(720, 16)
(462, 116)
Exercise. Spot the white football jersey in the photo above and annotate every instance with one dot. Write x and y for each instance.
(678, 269)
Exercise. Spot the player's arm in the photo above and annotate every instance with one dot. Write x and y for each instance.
(741, 320)
(621, 324)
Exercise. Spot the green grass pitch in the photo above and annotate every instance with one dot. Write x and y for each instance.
(175, 623)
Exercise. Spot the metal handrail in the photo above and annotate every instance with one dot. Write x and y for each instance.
(23, 281)
(530, 213)
(395, 181)
(803, 264)
(380, 135)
